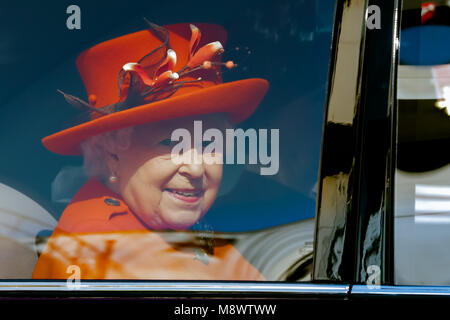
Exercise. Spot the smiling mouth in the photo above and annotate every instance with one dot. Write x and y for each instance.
(185, 195)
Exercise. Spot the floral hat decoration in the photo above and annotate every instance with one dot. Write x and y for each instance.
(152, 75)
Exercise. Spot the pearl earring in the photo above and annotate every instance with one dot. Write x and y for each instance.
(112, 178)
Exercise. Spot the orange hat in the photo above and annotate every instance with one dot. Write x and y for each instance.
(152, 75)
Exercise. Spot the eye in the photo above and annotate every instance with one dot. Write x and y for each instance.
(166, 142)
(206, 143)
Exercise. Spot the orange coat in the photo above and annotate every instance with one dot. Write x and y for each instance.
(98, 233)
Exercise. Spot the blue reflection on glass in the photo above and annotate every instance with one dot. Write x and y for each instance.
(425, 45)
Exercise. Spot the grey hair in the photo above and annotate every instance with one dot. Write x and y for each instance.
(94, 150)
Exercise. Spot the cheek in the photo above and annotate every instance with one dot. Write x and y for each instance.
(142, 184)
(141, 195)
(214, 174)
(214, 177)
(145, 168)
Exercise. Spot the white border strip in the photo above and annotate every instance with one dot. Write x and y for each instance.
(191, 287)
(443, 291)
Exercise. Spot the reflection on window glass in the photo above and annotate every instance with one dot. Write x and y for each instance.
(180, 146)
(422, 204)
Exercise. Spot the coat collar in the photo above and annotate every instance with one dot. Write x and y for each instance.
(96, 208)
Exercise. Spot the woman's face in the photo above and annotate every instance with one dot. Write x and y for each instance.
(162, 193)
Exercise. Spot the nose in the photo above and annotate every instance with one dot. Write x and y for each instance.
(193, 167)
(192, 171)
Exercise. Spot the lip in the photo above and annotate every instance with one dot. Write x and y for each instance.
(192, 199)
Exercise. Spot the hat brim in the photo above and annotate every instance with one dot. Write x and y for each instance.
(238, 99)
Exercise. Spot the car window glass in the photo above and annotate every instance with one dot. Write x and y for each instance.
(422, 193)
(57, 215)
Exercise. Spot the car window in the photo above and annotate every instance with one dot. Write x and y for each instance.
(80, 191)
(422, 193)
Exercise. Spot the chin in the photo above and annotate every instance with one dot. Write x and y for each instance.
(182, 220)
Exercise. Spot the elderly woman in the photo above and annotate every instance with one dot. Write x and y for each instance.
(118, 225)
